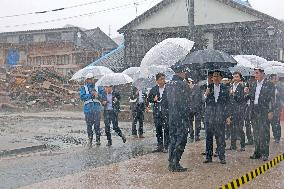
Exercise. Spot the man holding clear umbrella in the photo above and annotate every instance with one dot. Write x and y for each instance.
(178, 103)
(92, 108)
(158, 96)
(111, 109)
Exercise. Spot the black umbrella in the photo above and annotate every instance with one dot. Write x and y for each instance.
(208, 59)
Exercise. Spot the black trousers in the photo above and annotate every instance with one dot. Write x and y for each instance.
(138, 116)
(237, 126)
(261, 131)
(178, 139)
(111, 116)
(248, 123)
(161, 120)
(275, 123)
(195, 119)
(219, 131)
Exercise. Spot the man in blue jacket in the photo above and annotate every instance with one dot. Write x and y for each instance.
(92, 108)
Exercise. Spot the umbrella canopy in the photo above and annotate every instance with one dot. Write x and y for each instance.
(114, 79)
(97, 71)
(167, 52)
(256, 61)
(272, 63)
(244, 66)
(144, 83)
(132, 72)
(208, 59)
(151, 71)
(279, 70)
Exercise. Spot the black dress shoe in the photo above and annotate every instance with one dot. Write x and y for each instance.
(203, 153)
(265, 158)
(109, 143)
(208, 161)
(255, 157)
(223, 161)
(179, 168)
(215, 154)
(158, 150)
(123, 139)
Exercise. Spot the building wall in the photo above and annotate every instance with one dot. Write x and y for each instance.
(214, 12)
(173, 15)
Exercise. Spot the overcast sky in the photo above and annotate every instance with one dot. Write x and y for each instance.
(116, 13)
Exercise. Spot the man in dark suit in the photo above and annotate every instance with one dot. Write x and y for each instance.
(196, 110)
(277, 104)
(158, 97)
(111, 109)
(217, 97)
(261, 95)
(138, 106)
(237, 99)
(178, 101)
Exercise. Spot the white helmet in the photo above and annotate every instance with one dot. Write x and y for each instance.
(89, 76)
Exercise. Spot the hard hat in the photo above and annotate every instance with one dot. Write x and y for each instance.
(89, 76)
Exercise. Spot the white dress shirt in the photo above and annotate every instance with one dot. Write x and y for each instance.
(161, 91)
(235, 86)
(140, 97)
(257, 91)
(216, 92)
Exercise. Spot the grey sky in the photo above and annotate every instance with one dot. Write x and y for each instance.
(114, 18)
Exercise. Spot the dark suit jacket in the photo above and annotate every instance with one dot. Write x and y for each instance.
(237, 100)
(196, 99)
(135, 105)
(115, 105)
(217, 112)
(164, 102)
(267, 93)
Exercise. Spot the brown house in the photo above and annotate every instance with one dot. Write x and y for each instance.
(65, 49)
(231, 26)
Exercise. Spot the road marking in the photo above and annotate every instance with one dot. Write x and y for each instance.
(253, 174)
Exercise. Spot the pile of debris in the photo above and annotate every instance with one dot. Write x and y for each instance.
(42, 88)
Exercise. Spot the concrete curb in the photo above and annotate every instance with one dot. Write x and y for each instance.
(23, 150)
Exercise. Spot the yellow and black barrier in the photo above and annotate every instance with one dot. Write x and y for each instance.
(253, 174)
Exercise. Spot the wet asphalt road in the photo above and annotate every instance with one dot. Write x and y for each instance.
(32, 168)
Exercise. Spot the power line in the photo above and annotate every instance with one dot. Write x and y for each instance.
(76, 16)
(53, 10)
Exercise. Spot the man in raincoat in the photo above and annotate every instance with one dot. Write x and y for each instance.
(178, 104)
(92, 108)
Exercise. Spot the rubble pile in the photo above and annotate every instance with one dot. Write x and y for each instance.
(42, 88)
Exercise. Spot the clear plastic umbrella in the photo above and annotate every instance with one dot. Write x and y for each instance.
(114, 79)
(151, 71)
(167, 52)
(132, 72)
(272, 63)
(144, 83)
(97, 71)
(279, 70)
(244, 66)
(256, 61)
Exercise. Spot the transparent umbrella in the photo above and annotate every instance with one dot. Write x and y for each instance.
(167, 52)
(144, 83)
(151, 71)
(132, 72)
(245, 67)
(272, 63)
(256, 61)
(279, 70)
(114, 79)
(97, 71)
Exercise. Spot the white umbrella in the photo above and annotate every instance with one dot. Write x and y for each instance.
(151, 71)
(256, 61)
(97, 71)
(144, 83)
(167, 52)
(272, 63)
(132, 72)
(114, 79)
(279, 70)
(244, 66)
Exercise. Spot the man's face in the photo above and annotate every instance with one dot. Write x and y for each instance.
(161, 81)
(258, 75)
(237, 78)
(274, 80)
(217, 78)
(210, 79)
(108, 89)
(89, 80)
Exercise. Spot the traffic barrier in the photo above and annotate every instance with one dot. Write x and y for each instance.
(253, 174)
